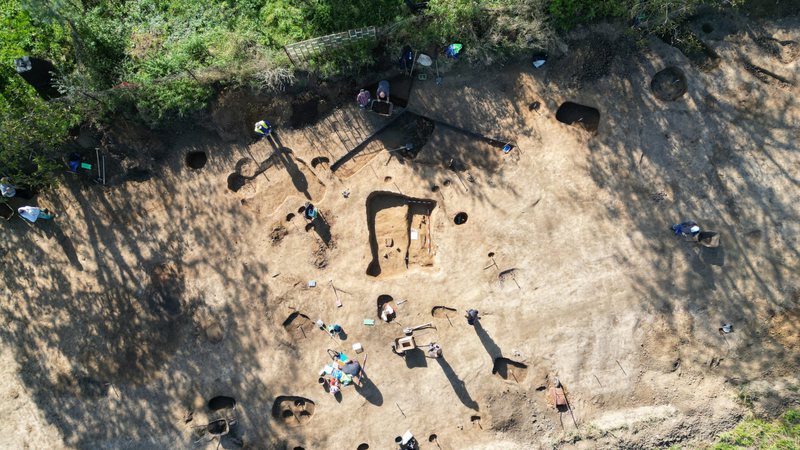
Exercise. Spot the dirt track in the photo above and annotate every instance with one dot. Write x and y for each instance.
(143, 301)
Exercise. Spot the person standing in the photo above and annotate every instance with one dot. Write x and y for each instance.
(263, 128)
(472, 316)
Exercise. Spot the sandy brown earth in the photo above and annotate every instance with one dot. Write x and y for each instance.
(144, 300)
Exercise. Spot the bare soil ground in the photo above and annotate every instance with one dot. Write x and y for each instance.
(144, 300)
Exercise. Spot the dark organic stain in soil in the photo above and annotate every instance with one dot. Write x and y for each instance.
(669, 84)
(293, 411)
(304, 112)
(298, 325)
(573, 113)
(508, 369)
(460, 218)
(221, 402)
(320, 160)
(196, 160)
(217, 427)
(236, 182)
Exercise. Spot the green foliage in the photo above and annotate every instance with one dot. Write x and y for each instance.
(350, 58)
(162, 102)
(782, 434)
(170, 52)
(568, 13)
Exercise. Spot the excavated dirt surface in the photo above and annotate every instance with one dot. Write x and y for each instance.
(143, 300)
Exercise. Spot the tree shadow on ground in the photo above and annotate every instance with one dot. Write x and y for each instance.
(109, 326)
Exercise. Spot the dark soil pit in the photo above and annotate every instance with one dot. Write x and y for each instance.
(434, 188)
(293, 411)
(387, 179)
(510, 370)
(217, 427)
(395, 222)
(363, 446)
(572, 113)
(221, 402)
(707, 28)
(236, 182)
(289, 217)
(383, 108)
(443, 312)
(196, 160)
(298, 325)
(460, 218)
(304, 112)
(319, 160)
(384, 300)
(669, 84)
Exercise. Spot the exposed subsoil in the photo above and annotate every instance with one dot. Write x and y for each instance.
(149, 309)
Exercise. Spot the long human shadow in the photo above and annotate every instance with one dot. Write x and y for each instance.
(369, 391)
(322, 228)
(285, 156)
(458, 384)
(488, 343)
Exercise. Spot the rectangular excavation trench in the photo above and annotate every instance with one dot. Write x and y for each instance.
(399, 233)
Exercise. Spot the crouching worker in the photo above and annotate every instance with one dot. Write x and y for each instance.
(263, 128)
(686, 229)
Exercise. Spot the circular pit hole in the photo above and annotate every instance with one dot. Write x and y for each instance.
(236, 182)
(460, 218)
(707, 28)
(289, 217)
(434, 188)
(387, 179)
(287, 413)
(446, 182)
(432, 438)
(196, 160)
(363, 446)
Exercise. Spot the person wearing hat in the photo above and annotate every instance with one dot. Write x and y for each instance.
(263, 128)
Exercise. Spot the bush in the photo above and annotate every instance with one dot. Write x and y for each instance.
(165, 101)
